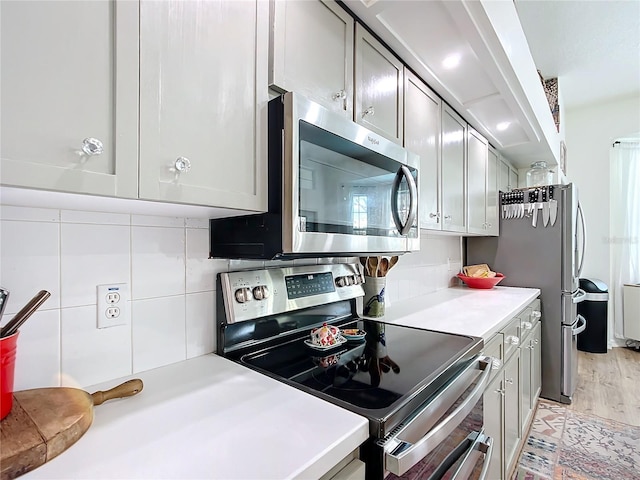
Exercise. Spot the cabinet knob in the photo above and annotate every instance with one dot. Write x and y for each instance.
(496, 364)
(535, 341)
(513, 340)
(183, 164)
(527, 325)
(369, 111)
(447, 217)
(92, 146)
(434, 215)
(500, 391)
(341, 95)
(536, 314)
(489, 225)
(509, 381)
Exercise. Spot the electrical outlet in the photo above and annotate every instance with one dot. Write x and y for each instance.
(113, 305)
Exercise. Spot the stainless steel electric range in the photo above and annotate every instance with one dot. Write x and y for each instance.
(420, 390)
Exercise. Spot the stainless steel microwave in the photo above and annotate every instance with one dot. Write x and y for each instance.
(335, 189)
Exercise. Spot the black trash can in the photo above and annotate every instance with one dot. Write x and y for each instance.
(594, 310)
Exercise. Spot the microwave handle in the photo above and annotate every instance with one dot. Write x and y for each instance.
(400, 456)
(404, 172)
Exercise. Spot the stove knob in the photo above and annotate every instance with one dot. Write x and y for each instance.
(242, 295)
(356, 279)
(349, 280)
(341, 281)
(260, 292)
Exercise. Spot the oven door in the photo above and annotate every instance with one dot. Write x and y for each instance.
(445, 438)
(346, 189)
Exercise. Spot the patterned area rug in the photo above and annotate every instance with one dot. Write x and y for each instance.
(566, 445)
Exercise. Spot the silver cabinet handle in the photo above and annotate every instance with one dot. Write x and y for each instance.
(434, 215)
(369, 111)
(92, 146)
(496, 364)
(513, 340)
(489, 225)
(509, 381)
(536, 314)
(535, 341)
(183, 164)
(401, 455)
(341, 95)
(527, 325)
(447, 217)
(500, 391)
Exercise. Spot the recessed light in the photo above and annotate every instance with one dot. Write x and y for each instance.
(452, 61)
(502, 126)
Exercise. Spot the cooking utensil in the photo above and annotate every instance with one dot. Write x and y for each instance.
(545, 207)
(363, 262)
(536, 206)
(393, 261)
(24, 314)
(372, 265)
(383, 267)
(553, 207)
(44, 422)
(4, 298)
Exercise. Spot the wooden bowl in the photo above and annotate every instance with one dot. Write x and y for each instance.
(481, 282)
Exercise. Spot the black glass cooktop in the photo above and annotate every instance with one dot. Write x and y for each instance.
(376, 376)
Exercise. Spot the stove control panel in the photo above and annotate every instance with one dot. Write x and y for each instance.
(251, 294)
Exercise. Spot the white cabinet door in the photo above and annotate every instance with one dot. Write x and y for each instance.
(378, 87)
(477, 147)
(493, 411)
(422, 137)
(312, 52)
(513, 178)
(511, 410)
(70, 73)
(493, 199)
(503, 176)
(203, 96)
(536, 363)
(526, 365)
(454, 134)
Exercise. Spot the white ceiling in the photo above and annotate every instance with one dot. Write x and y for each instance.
(593, 47)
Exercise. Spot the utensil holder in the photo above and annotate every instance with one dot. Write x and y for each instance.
(374, 293)
(8, 347)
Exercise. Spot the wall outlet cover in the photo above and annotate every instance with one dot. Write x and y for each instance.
(113, 305)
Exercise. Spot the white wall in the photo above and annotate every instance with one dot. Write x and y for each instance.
(172, 283)
(590, 133)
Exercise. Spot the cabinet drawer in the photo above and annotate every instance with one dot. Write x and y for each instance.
(511, 337)
(529, 319)
(494, 348)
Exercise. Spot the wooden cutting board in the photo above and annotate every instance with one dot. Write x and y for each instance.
(44, 422)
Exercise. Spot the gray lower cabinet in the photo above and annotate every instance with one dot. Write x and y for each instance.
(510, 399)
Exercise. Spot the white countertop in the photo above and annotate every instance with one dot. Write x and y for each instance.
(210, 418)
(462, 310)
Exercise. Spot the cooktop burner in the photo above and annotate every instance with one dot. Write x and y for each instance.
(371, 375)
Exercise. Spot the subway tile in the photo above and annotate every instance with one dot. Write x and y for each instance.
(201, 271)
(99, 218)
(92, 255)
(38, 352)
(29, 214)
(158, 332)
(156, 221)
(91, 355)
(200, 320)
(157, 262)
(29, 262)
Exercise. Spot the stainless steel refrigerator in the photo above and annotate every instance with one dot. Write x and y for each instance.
(541, 244)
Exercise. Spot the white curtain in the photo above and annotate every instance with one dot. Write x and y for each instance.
(625, 225)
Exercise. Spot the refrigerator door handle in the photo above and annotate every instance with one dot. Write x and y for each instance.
(584, 239)
(579, 328)
(578, 296)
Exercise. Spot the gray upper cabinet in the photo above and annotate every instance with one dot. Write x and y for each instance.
(454, 134)
(477, 158)
(70, 96)
(312, 52)
(203, 97)
(422, 137)
(379, 87)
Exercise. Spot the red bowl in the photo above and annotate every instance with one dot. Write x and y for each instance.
(481, 282)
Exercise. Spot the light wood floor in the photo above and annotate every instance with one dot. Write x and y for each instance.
(609, 385)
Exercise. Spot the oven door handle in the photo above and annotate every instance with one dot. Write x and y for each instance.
(483, 446)
(400, 454)
(404, 172)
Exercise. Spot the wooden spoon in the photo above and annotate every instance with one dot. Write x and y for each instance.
(372, 266)
(384, 266)
(392, 262)
(363, 262)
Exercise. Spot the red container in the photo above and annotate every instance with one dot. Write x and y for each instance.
(481, 282)
(7, 368)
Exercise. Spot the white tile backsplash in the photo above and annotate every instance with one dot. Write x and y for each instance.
(172, 280)
(157, 262)
(29, 262)
(92, 355)
(158, 331)
(92, 255)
